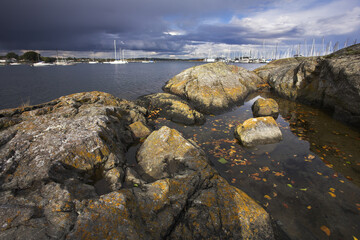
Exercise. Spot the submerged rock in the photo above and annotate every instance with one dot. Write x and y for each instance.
(64, 175)
(265, 107)
(258, 131)
(171, 107)
(214, 87)
(330, 82)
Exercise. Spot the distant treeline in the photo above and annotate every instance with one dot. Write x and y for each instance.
(32, 56)
(29, 56)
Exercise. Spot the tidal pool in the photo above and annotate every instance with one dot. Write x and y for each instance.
(309, 182)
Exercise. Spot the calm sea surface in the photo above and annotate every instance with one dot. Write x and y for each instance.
(309, 182)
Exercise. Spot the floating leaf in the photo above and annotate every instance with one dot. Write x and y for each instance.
(308, 207)
(264, 169)
(303, 189)
(289, 185)
(332, 194)
(326, 230)
(285, 205)
(136, 185)
(319, 173)
(355, 238)
(278, 174)
(332, 189)
(267, 197)
(222, 160)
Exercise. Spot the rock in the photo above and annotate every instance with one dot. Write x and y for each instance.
(53, 154)
(183, 198)
(139, 130)
(265, 107)
(171, 107)
(214, 87)
(258, 131)
(64, 175)
(331, 82)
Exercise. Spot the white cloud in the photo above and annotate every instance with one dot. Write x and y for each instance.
(335, 18)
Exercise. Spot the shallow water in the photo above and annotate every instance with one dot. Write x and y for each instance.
(308, 181)
(302, 181)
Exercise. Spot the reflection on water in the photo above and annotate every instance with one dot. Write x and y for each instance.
(302, 181)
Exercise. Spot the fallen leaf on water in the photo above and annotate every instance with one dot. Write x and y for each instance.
(308, 207)
(311, 157)
(222, 160)
(278, 174)
(274, 194)
(358, 206)
(342, 181)
(264, 180)
(332, 189)
(349, 178)
(289, 185)
(319, 173)
(303, 189)
(355, 238)
(267, 197)
(285, 205)
(264, 169)
(326, 230)
(233, 180)
(332, 194)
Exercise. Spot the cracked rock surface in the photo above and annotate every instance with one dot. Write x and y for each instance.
(331, 82)
(64, 175)
(213, 87)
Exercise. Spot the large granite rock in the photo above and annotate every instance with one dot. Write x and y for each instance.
(258, 131)
(180, 197)
(330, 82)
(214, 87)
(55, 154)
(64, 175)
(171, 107)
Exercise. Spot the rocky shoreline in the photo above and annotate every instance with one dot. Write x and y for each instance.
(64, 173)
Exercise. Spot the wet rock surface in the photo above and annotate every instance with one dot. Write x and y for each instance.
(331, 82)
(258, 131)
(64, 175)
(172, 108)
(265, 107)
(214, 87)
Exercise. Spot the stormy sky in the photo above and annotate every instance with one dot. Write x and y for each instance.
(169, 28)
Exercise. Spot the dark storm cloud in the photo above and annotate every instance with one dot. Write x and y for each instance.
(92, 25)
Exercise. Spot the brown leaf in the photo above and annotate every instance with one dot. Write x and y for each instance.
(326, 230)
(264, 169)
(332, 194)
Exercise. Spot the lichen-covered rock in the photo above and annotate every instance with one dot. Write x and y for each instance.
(330, 82)
(139, 130)
(53, 155)
(258, 131)
(64, 175)
(265, 107)
(188, 200)
(214, 87)
(170, 107)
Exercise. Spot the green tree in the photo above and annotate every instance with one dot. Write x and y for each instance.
(31, 56)
(12, 55)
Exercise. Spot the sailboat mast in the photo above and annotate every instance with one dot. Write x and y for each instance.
(115, 48)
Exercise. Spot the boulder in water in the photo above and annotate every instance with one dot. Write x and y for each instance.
(258, 131)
